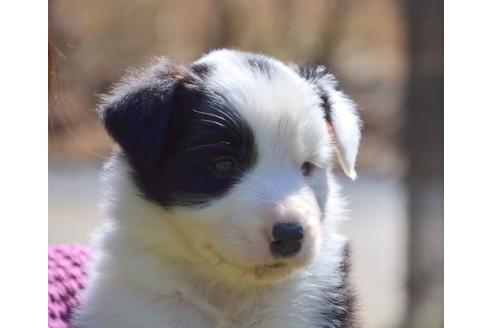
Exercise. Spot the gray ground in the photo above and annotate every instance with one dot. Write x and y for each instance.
(377, 231)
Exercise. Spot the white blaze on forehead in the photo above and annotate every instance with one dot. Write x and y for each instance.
(282, 109)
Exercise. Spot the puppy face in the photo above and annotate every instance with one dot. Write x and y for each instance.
(235, 150)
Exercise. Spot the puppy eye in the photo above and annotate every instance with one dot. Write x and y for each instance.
(307, 168)
(224, 166)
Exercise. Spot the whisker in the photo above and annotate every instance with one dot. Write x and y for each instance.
(229, 117)
(214, 122)
(227, 120)
(210, 114)
(219, 124)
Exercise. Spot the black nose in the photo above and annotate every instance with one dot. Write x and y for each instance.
(287, 239)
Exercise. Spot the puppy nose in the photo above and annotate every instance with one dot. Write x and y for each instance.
(287, 239)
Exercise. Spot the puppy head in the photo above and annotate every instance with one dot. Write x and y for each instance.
(235, 150)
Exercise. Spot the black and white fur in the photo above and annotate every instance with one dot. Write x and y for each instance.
(186, 244)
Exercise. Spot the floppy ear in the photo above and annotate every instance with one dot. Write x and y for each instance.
(136, 113)
(343, 118)
(341, 115)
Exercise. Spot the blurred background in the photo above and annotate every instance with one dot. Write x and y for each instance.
(388, 56)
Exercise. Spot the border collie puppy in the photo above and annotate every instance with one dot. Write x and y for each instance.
(221, 208)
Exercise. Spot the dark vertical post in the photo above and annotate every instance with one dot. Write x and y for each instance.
(424, 141)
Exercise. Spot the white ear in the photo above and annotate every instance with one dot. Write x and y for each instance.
(341, 113)
(346, 129)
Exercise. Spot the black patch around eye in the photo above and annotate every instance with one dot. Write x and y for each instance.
(203, 128)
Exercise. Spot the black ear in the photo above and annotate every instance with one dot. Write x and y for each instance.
(137, 112)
